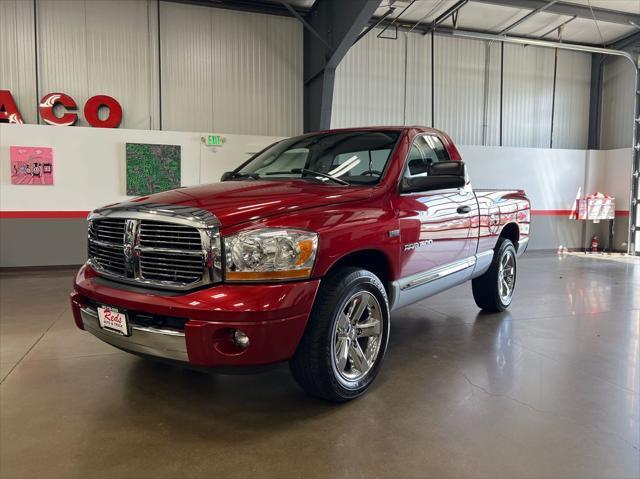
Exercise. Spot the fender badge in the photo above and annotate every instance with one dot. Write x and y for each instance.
(418, 245)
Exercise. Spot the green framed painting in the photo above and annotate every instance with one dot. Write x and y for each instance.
(152, 168)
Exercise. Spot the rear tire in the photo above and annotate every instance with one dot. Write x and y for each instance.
(342, 349)
(493, 291)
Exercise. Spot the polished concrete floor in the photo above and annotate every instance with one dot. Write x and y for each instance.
(549, 389)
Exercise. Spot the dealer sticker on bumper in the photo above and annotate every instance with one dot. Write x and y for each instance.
(113, 320)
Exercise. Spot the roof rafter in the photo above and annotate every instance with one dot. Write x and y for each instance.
(570, 9)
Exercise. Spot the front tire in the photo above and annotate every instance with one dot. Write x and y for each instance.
(493, 291)
(344, 344)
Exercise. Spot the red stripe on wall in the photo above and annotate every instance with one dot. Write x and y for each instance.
(83, 214)
(552, 212)
(568, 213)
(43, 214)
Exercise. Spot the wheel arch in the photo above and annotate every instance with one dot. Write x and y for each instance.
(371, 259)
(511, 231)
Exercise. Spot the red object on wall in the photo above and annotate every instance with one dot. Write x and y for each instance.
(92, 106)
(48, 103)
(9, 112)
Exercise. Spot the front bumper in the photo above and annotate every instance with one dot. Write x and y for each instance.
(273, 316)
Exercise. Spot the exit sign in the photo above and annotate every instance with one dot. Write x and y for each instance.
(214, 140)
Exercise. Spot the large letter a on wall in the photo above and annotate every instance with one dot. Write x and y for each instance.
(9, 112)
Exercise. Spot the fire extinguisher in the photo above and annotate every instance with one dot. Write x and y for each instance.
(595, 242)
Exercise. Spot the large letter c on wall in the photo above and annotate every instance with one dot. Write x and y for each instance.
(47, 104)
(92, 106)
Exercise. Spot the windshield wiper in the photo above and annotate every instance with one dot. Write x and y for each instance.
(240, 174)
(311, 172)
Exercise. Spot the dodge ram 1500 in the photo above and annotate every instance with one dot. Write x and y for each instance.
(301, 254)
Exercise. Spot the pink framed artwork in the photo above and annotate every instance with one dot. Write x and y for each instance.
(31, 165)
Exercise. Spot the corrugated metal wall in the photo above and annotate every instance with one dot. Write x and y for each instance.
(494, 91)
(573, 86)
(17, 55)
(527, 97)
(418, 109)
(467, 90)
(245, 71)
(87, 48)
(618, 102)
(459, 92)
(221, 71)
(370, 83)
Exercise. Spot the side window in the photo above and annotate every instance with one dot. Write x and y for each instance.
(425, 151)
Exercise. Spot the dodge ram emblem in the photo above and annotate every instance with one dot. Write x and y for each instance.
(127, 252)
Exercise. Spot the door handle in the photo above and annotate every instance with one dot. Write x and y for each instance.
(463, 209)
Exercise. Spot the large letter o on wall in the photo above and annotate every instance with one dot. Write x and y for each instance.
(92, 106)
(47, 104)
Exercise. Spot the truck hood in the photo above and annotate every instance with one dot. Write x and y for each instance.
(235, 202)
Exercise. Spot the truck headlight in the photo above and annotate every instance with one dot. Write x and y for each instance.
(270, 254)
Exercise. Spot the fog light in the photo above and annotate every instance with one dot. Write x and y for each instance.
(241, 339)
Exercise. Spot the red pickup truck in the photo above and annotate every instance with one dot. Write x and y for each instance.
(301, 254)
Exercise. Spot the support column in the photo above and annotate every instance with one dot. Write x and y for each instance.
(634, 208)
(595, 100)
(331, 27)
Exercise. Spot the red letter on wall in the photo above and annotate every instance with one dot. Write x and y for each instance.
(92, 106)
(9, 112)
(52, 99)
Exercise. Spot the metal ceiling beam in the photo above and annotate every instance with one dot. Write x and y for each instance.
(373, 25)
(528, 16)
(255, 6)
(543, 43)
(448, 31)
(557, 28)
(630, 42)
(306, 24)
(449, 12)
(395, 19)
(570, 9)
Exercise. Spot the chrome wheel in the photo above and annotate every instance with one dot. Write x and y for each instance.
(357, 336)
(506, 277)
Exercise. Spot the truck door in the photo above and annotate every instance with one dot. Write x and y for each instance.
(437, 228)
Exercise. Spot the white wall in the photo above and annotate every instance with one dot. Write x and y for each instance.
(382, 81)
(90, 172)
(90, 168)
(233, 72)
(550, 177)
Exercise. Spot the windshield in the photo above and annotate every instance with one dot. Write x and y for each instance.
(350, 157)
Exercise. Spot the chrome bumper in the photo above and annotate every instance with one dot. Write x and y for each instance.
(162, 343)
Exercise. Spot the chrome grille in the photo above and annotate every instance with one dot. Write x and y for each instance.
(138, 248)
(106, 239)
(156, 234)
(168, 267)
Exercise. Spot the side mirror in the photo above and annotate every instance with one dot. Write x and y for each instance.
(226, 175)
(448, 168)
(441, 175)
